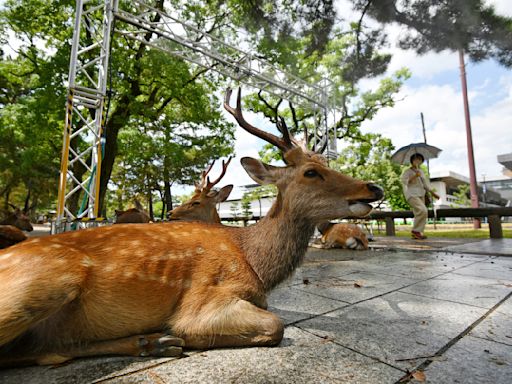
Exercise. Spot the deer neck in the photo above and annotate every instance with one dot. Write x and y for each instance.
(276, 245)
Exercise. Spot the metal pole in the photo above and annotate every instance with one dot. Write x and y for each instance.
(424, 138)
(471, 159)
(484, 188)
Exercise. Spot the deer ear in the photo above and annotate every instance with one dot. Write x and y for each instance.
(260, 172)
(224, 193)
(118, 212)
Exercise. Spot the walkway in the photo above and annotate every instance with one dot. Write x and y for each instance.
(440, 314)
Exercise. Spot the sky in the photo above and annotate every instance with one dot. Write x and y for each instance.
(435, 90)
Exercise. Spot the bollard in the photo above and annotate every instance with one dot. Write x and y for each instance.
(495, 230)
(390, 226)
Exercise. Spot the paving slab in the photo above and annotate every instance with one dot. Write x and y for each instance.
(496, 327)
(472, 361)
(496, 269)
(495, 247)
(430, 244)
(355, 286)
(400, 329)
(292, 305)
(473, 290)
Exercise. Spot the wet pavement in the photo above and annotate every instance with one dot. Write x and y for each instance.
(402, 312)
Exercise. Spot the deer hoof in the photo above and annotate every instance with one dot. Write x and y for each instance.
(160, 345)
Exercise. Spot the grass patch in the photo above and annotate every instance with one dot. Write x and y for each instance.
(458, 233)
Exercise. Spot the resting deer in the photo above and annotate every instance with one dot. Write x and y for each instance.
(132, 215)
(12, 227)
(343, 236)
(19, 219)
(10, 235)
(118, 290)
(201, 206)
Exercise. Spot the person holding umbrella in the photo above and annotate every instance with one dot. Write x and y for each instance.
(415, 184)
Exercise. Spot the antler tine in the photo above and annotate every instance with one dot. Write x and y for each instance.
(210, 185)
(13, 206)
(202, 183)
(283, 128)
(283, 144)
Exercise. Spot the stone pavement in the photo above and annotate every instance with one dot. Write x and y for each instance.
(435, 315)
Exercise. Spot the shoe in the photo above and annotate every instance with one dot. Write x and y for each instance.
(417, 235)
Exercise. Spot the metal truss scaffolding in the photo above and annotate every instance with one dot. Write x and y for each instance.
(84, 111)
(88, 83)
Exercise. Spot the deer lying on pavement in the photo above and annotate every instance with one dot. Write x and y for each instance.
(12, 227)
(343, 235)
(201, 206)
(10, 235)
(118, 290)
(132, 215)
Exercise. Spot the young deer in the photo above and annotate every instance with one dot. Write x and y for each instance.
(343, 236)
(201, 206)
(116, 290)
(132, 215)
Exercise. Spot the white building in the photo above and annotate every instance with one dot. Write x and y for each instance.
(447, 183)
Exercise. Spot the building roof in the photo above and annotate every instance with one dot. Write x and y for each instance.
(449, 177)
(506, 160)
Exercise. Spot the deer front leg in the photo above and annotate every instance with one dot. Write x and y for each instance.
(155, 344)
(237, 324)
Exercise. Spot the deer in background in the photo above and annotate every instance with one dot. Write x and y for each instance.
(151, 290)
(343, 235)
(202, 205)
(132, 215)
(12, 227)
(18, 218)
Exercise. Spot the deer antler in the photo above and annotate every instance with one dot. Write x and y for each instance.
(202, 183)
(284, 144)
(209, 185)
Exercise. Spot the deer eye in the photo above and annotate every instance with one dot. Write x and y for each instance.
(311, 173)
(196, 203)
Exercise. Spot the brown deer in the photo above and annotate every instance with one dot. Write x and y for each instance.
(343, 235)
(201, 206)
(12, 227)
(150, 290)
(132, 215)
(10, 235)
(19, 219)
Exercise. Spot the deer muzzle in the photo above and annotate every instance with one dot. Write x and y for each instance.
(361, 207)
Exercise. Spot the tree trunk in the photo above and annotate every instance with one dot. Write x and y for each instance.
(114, 124)
(150, 198)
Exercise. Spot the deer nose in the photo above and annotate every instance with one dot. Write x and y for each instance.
(376, 189)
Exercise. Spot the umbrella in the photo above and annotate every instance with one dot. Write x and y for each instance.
(403, 155)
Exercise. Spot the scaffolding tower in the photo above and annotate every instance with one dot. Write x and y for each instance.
(85, 106)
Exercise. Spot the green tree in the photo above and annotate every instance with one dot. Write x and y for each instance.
(370, 160)
(260, 192)
(245, 205)
(461, 196)
(235, 209)
(164, 97)
(471, 25)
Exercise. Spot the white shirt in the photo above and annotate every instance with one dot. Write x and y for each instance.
(415, 187)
